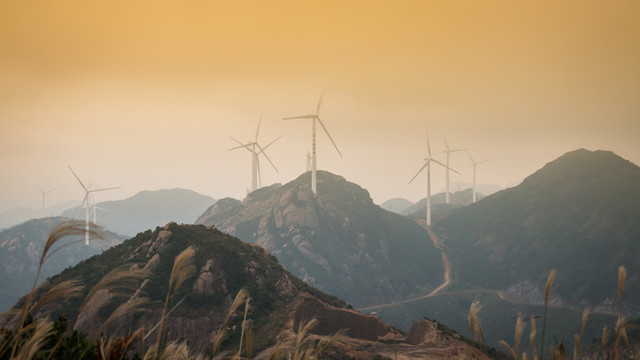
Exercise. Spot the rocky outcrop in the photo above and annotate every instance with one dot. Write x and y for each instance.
(337, 240)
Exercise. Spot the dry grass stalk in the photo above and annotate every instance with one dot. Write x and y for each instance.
(606, 334)
(183, 269)
(244, 322)
(515, 351)
(622, 275)
(473, 315)
(222, 330)
(59, 232)
(43, 328)
(64, 290)
(130, 307)
(621, 334)
(532, 338)
(577, 348)
(547, 292)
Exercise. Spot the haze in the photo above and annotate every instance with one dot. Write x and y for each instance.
(145, 95)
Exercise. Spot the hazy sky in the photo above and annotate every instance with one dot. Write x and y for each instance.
(145, 94)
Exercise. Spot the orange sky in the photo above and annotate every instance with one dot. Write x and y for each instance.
(145, 94)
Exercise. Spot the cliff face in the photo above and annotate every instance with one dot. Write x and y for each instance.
(337, 240)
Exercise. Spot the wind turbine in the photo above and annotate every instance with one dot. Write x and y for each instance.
(85, 202)
(427, 165)
(475, 164)
(315, 117)
(255, 162)
(43, 195)
(448, 151)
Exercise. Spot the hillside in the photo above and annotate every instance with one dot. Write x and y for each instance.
(20, 250)
(147, 209)
(458, 199)
(338, 241)
(578, 215)
(224, 265)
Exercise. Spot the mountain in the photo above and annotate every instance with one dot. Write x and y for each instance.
(20, 251)
(457, 199)
(223, 266)
(18, 215)
(337, 240)
(578, 215)
(147, 209)
(396, 205)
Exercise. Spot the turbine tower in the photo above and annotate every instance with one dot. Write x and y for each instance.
(475, 164)
(44, 193)
(255, 149)
(427, 165)
(315, 117)
(448, 151)
(85, 202)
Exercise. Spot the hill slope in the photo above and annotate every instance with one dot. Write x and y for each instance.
(338, 240)
(223, 266)
(578, 214)
(147, 209)
(20, 250)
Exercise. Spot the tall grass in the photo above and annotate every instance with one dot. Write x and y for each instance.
(28, 341)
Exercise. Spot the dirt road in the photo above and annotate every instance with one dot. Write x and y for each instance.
(447, 279)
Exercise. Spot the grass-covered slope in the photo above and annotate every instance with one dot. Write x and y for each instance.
(223, 266)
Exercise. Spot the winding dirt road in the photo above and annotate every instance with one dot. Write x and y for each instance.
(447, 279)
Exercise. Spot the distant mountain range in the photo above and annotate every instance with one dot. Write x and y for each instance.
(148, 209)
(18, 215)
(20, 250)
(396, 205)
(337, 240)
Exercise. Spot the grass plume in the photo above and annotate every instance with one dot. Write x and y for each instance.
(221, 334)
(547, 292)
(183, 269)
(515, 351)
(532, 337)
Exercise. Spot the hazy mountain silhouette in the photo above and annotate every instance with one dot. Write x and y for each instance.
(338, 240)
(148, 209)
(396, 205)
(18, 215)
(20, 250)
(578, 215)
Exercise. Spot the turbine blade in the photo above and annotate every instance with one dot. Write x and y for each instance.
(471, 157)
(86, 196)
(258, 129)
(428, 143)
(319, 103)
(265, 148)
(445, 144)
(439, 163)
(300, 117)
(327, 132)
(265, 155)
(483, 161)
(96, 190)
(246, 146)
(422, 168)
(259, 175)
(74, 174)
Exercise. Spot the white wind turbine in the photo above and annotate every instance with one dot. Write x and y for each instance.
(427, 165)
(315, 117)
(475, 164)
(44, 193)
(448, 151)
(255, 162)
(85, 203)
